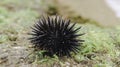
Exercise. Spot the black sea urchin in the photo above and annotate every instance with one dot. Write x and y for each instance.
(56, 36)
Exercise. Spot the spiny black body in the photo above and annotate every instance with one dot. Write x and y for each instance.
(56, 36)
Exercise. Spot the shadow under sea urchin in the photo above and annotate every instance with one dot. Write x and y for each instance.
(56, 36)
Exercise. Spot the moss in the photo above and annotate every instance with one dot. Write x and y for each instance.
(4, 14)
(99, 48)
(3, 38)
(52, 10)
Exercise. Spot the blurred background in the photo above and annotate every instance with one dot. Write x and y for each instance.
(104, 12)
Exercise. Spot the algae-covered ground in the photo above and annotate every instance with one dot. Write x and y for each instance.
(100, 49)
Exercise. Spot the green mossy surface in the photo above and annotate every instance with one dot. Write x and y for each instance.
(100, 49)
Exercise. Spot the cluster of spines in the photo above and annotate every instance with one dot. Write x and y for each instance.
(56, 36)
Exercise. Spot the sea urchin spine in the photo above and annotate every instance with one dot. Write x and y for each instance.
(56, 36)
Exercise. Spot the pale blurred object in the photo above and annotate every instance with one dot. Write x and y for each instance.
(115, 5)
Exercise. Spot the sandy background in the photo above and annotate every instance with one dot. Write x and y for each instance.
(97, 10)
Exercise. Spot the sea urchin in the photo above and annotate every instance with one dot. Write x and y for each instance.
(56, 36)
